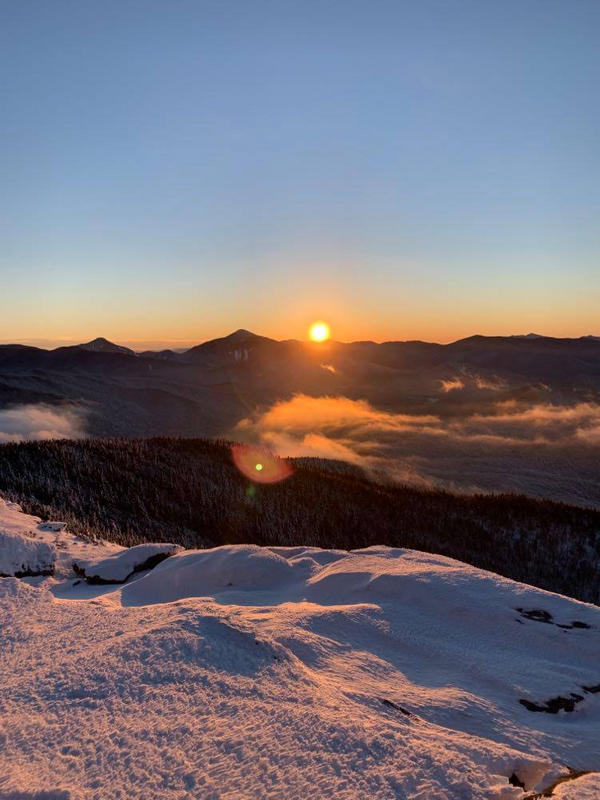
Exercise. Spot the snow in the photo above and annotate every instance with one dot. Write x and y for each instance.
(247, 672)
(13, 520)
(117, 567)
(585, 788)
(21, 556)
(66, 547)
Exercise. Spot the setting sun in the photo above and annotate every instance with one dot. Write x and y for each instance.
(319, 332)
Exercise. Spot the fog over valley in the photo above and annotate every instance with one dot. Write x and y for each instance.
(488, 414)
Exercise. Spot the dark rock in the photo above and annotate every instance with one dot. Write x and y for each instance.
(396, 707)
(514, 781)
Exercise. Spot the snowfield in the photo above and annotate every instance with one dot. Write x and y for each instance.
(246, 672)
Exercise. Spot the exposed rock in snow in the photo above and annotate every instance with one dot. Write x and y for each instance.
(118, 567)
(21, 557)
(20, 554)
(248, 672)
(66, 546)
(52, 527)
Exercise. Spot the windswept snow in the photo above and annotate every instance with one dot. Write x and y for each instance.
(66, 547)
(21, 556)
(20, 553)
(13, 520)
(587, 787)
(117, 567)
(244, 672)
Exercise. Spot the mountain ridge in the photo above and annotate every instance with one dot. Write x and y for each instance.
(240, 336)
(497, 385)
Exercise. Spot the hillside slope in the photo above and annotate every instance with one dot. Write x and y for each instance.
(189, 491)
(246, 672)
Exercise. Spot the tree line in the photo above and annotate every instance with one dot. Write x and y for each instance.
(189, 491)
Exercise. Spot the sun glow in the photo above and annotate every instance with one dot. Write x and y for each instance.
(319, 332)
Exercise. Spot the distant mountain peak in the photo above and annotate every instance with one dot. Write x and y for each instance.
(227, 346)
(241, 335)
(528, 336)
(102, 345)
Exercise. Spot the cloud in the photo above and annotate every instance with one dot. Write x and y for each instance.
(452, 385)
(542, 449)
(41, 422)
(491, 382)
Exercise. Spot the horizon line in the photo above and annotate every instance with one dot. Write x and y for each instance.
(188, 344)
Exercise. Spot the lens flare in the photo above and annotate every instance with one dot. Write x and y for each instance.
(260, 465)
(319, 332)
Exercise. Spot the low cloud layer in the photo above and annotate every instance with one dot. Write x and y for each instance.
(543, 450)
(466, 380)
(34, 422)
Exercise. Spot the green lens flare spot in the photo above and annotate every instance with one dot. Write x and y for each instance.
(258, 467)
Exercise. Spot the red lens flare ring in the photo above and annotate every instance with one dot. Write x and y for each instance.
(260, 465)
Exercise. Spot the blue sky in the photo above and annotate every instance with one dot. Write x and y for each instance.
(171, 171)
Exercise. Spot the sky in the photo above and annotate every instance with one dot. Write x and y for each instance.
(173, 171)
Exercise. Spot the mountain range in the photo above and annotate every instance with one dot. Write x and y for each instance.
(516, 413)
(206, 389)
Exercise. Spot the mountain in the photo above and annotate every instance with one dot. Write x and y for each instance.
(161, 355)
(530, 358)
(527, 336)
(236, 347)
(245, 672)
(101, 345)
(476, 403)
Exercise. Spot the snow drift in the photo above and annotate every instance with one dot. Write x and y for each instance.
(20, 553)
(120, 566)
(21, 556)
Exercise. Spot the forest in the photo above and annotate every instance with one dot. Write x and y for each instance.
(189, 491)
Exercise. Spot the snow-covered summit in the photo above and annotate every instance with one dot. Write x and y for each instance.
(248, 672)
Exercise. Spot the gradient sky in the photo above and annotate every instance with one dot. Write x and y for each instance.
(171, 171)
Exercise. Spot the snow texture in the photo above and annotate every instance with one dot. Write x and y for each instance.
(244, 672)
(20, 554)
(586, 787)
(117, 567)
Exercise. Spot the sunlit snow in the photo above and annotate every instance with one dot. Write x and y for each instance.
(242, 672)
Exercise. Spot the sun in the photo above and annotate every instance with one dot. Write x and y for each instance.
(319, 332)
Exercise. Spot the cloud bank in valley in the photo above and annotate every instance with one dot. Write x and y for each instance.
(543, 450)
(34, 422)
(492, 383)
